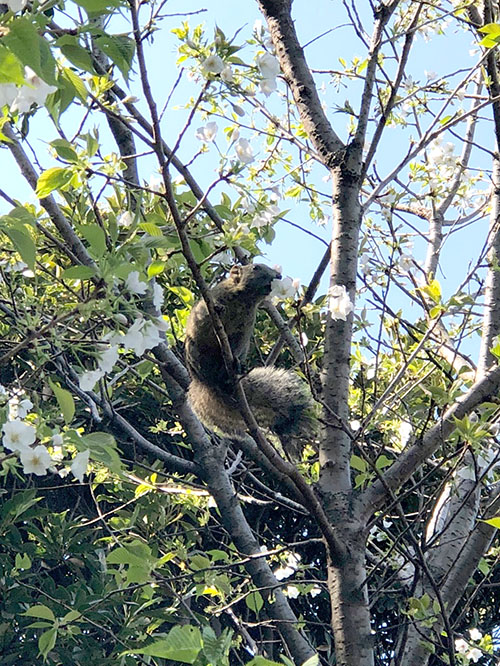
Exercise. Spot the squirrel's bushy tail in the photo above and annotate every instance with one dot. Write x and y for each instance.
(278, 398)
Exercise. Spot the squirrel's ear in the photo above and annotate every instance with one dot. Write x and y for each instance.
(235, 273)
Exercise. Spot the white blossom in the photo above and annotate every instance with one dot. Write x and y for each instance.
(224, 258)
(158, 296)
(474, 654)
(475, 634)
(293, 561)
(80, 464)
(162, 324)
(364, 263)
(141, 335)
(292, 591)
(315, 590)
(125, 219)
(57, 439)
(213, 64)
(265, 217)
(8, 92)
(283, 288)
(267, 86)
(134, 285)
(339, 303)
(16, 267)
(268, 66)
(36, 461)
(227, 74)
(35, 92)
(89, 379)
(3, 391)
(108, 358)
(405, 431)
(461, 646)
(16, 5)
(156, 183)
(24, 408)
(207, 133)
(405, 263)
(430, 75)
(244, 151)
(18, 435)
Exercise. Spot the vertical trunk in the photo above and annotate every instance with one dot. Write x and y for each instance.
(349, 603)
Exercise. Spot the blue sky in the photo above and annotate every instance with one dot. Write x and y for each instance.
(299, 253)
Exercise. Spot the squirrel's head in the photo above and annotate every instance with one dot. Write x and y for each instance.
(256, 278)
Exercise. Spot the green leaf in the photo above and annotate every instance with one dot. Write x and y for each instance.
(22, 561)
(64, 400)
(40, 611)
(383, 461)
(11, 69)
(494, 522)
(98, 6)
(78, 273)
(183, 643)
(47, 641)
(64, 150)
(71, 616)
(262, 661)
(155, 268)
(94, 235)
(75, 83)
(51, 180)
(358, 463)
(31, 48)
(76, 54)
(254, 601)
(151, 229)
(24, 244)
(102, 447)
(120, 49)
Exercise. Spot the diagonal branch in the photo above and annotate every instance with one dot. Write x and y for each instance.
(299, 78)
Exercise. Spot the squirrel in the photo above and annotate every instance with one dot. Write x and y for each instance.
(279, 399)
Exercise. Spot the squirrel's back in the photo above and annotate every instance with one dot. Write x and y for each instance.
(279, 399)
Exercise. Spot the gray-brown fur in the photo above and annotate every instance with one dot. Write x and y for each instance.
(277, 397)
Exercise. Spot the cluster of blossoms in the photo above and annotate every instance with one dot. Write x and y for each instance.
(215, 65)
(21, 99)
(19, 437)
(269, 68)
(442, 163)
(473, 654)
(292, 564)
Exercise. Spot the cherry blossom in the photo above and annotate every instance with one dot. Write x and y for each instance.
(158, 296)
(108, 359)
(36, 461)
(18, 435)
(125, 219)
(207, 133)
(89, 379)
(80, 464)
(16, 5)
(35, 92)
(213, 64)
(284, 288)
(339, 303)
(268, 66)
(227, 74)
(134, 285)
(244, 151)
(8, 92)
